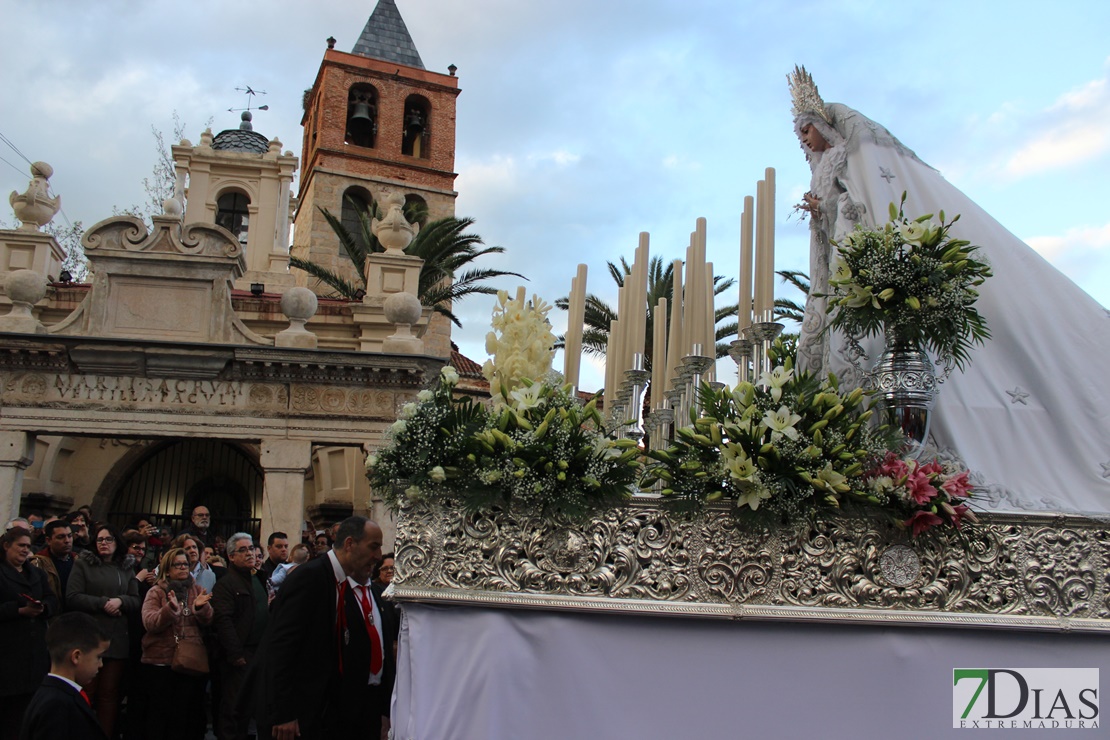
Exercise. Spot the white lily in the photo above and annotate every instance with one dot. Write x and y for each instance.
(776, 379)
(526, 397)
(753, 497)
(828, 479)
(781, 423)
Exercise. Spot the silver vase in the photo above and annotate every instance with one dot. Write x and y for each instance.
(906, 390)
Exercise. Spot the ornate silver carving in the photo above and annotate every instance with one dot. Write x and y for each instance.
(1013, 571)
(900, 565)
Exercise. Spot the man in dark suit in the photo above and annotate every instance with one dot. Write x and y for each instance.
(60, 709)
(329, 625)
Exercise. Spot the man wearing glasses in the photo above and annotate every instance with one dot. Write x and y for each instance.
(241, 605)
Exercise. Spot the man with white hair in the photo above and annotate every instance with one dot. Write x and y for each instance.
(241, 606)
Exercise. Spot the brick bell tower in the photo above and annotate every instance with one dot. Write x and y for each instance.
(375, 119)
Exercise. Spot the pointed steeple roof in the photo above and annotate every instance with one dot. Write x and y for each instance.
(387, 37)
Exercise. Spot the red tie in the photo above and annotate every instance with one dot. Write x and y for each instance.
(375, 642)
(85, 697)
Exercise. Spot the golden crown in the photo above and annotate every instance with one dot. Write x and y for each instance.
(803, 91)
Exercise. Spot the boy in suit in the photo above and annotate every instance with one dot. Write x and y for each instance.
(60, 708)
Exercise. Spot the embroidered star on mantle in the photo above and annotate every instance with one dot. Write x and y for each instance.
(886, 174)
(1017, 395)
(1105, 469)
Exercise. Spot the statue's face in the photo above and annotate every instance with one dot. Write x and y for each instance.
(813, 139)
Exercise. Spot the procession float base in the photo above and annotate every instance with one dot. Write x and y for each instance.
(1010, 571)
(515, 627)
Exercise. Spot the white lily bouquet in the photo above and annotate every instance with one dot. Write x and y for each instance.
(791, 445)
(913, 282)
(536, 447)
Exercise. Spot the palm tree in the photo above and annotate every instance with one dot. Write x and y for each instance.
(786, 308)
(447, 251)
(598, 313)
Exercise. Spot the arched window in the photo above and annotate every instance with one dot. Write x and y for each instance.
(356, 200)
(233, 214)
(416, 136)
(362, 116)
(416, 209)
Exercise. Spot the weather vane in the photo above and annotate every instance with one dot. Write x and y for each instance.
(250, 93)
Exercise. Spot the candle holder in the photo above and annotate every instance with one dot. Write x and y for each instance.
(674, 402)
(763, 333)
(741, 353)
(661, 418)
(694, 367)
(636, 379)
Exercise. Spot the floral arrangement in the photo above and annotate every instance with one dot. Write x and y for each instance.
(931, 494)
(521, 344)
(912, 281)
(535, 447)
(793, 444)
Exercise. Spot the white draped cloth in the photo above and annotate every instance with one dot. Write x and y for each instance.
(1030, 415)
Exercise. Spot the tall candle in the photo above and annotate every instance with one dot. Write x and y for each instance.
(576, 312)
(760, 281)
(710, 344)
(769, 268)
(658, 353)
(640, 307)
(706, 277)
(745, 317)
(611, 363)
(675, 341)
(691, 301)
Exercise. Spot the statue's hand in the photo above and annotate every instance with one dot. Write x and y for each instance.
(812, 203)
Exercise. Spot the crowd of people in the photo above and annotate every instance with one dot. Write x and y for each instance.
(149, 634)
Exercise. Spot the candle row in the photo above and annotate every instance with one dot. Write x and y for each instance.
(692, 326)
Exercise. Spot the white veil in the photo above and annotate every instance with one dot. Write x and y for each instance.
(1030, 415)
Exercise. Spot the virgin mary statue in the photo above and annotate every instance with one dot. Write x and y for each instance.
(1030, 414)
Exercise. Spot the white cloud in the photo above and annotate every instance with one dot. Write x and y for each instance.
(1073, 242)
(1074, 131)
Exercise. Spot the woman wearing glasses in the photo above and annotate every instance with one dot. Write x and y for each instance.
(104, 585)
(173, 611)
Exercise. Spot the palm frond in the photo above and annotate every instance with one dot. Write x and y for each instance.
(333, 280)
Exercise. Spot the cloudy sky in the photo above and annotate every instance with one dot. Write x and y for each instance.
(583, 122)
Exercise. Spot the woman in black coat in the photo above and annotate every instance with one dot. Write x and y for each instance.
(26, 602)
(104, 585)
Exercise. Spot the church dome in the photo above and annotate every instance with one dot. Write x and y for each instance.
(242, 139)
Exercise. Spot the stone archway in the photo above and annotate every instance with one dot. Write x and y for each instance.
(168, 479)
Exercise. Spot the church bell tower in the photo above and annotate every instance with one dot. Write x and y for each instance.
(374, 120)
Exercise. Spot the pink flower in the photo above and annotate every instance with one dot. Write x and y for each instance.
(894, 467)
(932, 469)
(957, 486)
(920, 489)
(921, 521)
(959, 513)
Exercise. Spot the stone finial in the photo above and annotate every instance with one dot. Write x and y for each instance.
(206, 138)
(34, 207)
(403, 310)
(25, 288)
(393, 230)
(172, 207)
(299, 305)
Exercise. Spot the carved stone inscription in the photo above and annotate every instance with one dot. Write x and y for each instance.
(193, 395)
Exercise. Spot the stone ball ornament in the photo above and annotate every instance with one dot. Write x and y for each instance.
(299, 303)
(25, 286)
(403, 308)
